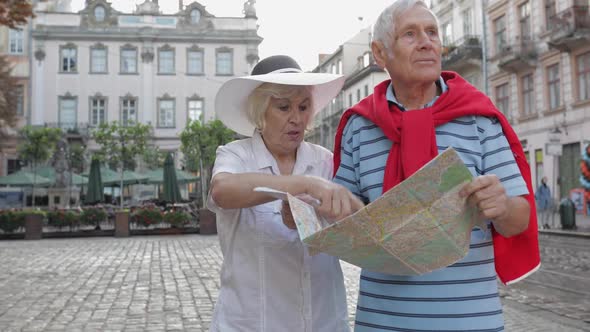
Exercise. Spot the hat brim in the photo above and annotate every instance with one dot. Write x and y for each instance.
(231, 99)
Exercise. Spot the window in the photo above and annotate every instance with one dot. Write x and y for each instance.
(550, 11)
(15, 41)
(339, 67)
(195, 16)
(553, 85)
(166, 61)
(99, 13)
(20, 99)
(67, 113)
(129, 60)
(524, 15)
(539, 165)
(467, 24)
(166, 113)
(69, 59)
(195, 110)
(13, 165)
(500, 33)
(195, 62)
(447, 33)
(350, 100)
(224, 63)
(358, 95)
(503, 99)
(128, 111)
(583, 62)
(366, 90)
(366, 59)
(528, 98)
(98, 113)
(98, 60)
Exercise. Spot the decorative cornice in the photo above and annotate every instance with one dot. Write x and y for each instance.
(87, 18)
(143, 34)
(98, 45)
(195, 48)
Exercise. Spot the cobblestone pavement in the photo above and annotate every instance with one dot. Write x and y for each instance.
(164, 283)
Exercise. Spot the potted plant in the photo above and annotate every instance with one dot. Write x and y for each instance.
(176, 219)
(147, 216)
(10, 221)
(62, 218)
(93, 216)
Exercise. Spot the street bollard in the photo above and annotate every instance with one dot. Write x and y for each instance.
(567, 214)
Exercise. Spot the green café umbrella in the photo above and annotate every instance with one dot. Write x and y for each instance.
(49, 172)
(95, 192)
(157, 176)
(24, 179)
(113, 178)
(171, 191)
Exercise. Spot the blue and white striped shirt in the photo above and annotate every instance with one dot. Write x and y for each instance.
(463, 296)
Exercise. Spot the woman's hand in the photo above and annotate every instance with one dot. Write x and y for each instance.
(335, 201)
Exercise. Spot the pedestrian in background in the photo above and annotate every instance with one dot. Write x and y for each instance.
(544, 203)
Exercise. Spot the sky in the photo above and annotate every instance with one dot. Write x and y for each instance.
(299, 28)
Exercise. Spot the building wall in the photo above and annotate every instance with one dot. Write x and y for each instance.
(571, 117)
(20, 70)
(145, 32)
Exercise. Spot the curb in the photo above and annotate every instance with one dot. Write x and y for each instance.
(582, 234)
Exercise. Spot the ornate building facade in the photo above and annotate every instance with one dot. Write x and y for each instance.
(101, 65)
(354, 60)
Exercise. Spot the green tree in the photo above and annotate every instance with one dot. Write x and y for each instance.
(120, 145)
(199, 143)
(153, 158)
(37, 145)
(77, 157)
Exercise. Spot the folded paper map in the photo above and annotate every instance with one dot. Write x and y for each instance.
(416, 227)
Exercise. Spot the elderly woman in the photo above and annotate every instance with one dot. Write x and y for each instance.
(269, 282)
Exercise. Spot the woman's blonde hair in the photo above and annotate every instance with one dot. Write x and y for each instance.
(259, 99)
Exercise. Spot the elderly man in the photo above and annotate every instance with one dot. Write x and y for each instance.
(393, 132)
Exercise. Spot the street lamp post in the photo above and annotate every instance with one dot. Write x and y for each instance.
(555, 149)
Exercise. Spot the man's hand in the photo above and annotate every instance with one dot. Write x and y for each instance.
(487, 193)
(510, 215)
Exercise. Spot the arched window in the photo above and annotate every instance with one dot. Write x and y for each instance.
(195, 16)
(99, 13)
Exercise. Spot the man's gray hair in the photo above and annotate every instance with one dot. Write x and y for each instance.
(385, 27)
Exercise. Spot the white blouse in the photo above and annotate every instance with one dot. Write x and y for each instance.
(269, 282)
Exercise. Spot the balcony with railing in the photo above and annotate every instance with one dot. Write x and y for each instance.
(465, 52)
(518, 56)
(570, 28)
(71, 129)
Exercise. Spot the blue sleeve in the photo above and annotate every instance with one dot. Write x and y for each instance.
(497, 157)
(347, 174)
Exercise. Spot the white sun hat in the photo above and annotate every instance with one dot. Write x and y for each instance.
(231, 99)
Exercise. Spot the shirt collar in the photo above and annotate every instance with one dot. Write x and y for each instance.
(390, 95)
(305, 156)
